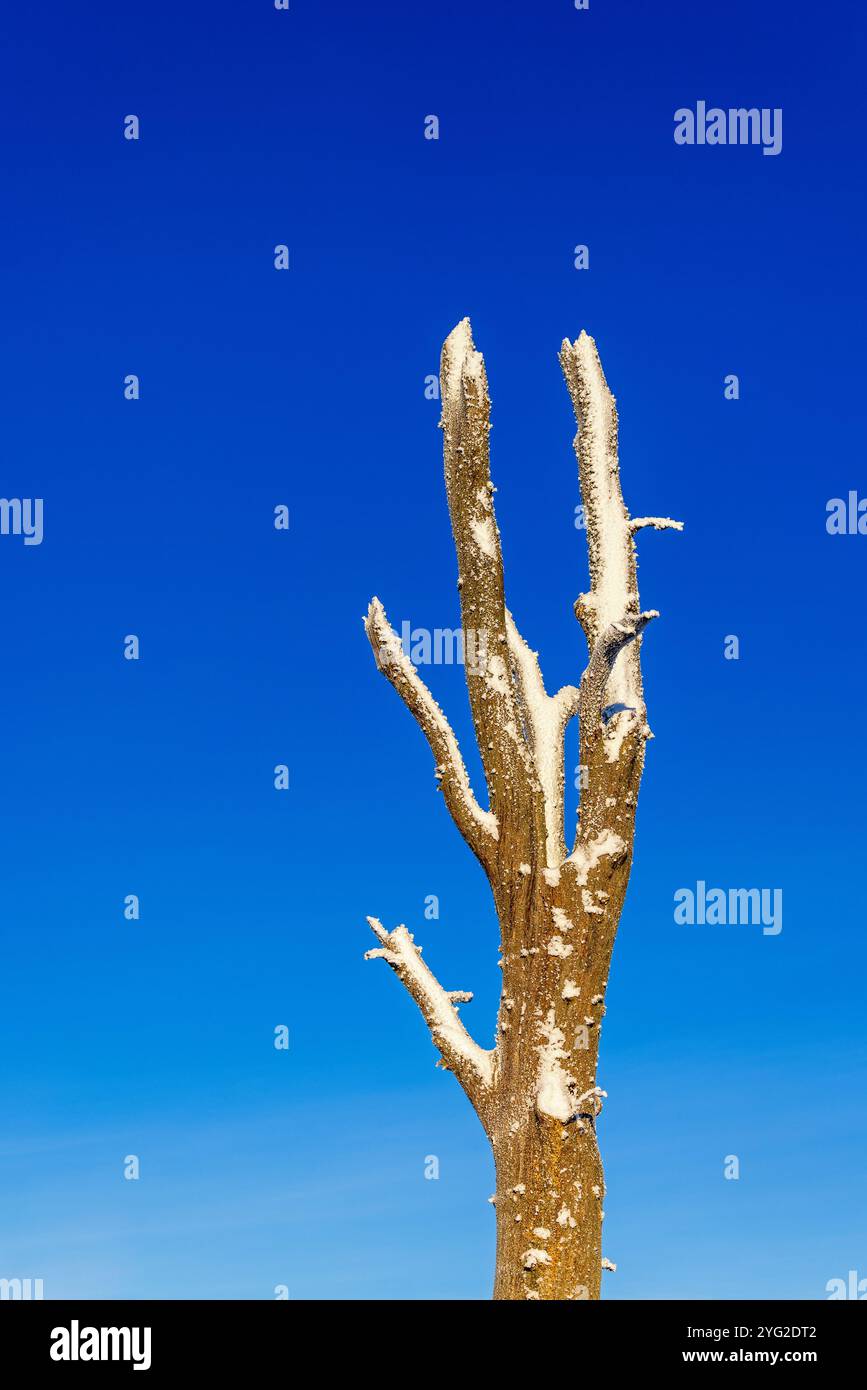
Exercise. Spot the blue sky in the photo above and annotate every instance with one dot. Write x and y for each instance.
(306, 388)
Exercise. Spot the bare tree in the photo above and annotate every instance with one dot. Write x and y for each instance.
(536, 1092)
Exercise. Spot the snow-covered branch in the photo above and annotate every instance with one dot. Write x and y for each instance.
(478, 827)
(545, 720)
(612, 714)
(473, 1066)
(611, 553)
(610, 612)
(659, 523)
(466, 425)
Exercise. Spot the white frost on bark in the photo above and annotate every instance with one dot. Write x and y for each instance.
(546, 717)
(553, 1083)
(597, 691)
(558, 947)
(461, 359)
(466, 424)
(659, 523)
(585, 857)
(531, 1258)
(611, 606)
(459, 1050)
(451, 771)
(612, 574)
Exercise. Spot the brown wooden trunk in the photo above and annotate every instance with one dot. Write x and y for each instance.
(550, 1190)
(557, 938)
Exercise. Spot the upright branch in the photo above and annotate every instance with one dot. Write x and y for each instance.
(613, 591)
(613, 716)
(466, 423)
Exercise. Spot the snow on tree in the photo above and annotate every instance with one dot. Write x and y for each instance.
(535, 1092)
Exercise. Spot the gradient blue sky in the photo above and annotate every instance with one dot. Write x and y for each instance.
(261, 127)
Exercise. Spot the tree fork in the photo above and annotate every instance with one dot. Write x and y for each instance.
(536, 1092)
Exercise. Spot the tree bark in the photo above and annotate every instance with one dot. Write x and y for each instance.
(536, 1092)
(542, 1122)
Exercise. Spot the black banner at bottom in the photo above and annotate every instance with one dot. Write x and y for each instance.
(154, 1339)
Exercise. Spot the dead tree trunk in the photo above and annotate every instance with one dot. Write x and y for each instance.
(558, 909)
